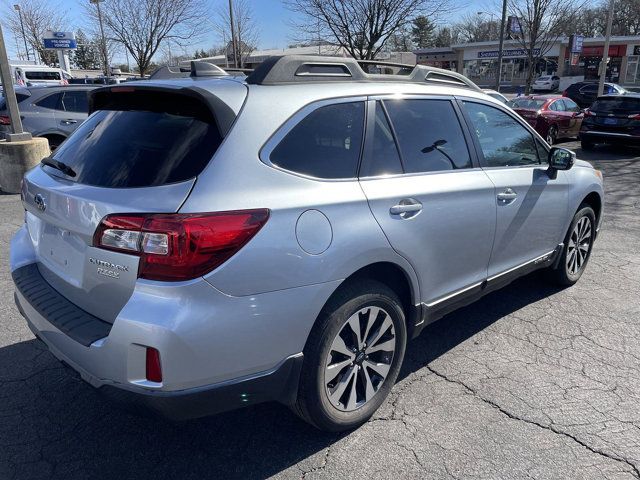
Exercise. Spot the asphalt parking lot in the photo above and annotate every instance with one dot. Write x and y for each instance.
(531, 382)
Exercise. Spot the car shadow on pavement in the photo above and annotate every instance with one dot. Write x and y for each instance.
(53, 425)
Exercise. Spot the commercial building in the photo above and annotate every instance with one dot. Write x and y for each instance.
(478, 60)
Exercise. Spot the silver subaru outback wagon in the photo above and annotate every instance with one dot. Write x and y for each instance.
(208, 242)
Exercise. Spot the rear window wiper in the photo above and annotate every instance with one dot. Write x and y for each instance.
(63, 167)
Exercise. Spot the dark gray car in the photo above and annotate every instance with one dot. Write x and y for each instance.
(52, 112)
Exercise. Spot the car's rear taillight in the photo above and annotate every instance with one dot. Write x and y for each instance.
(5, 120)
(635, 116)
(589, 113)
(181, 246)
(564, 94)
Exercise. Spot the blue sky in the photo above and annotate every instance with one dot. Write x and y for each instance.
(272, 18)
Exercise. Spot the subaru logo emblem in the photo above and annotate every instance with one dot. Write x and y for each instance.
(40, 203)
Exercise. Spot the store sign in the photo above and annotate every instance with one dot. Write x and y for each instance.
(576, 42)
(59, 40)
(517, 52)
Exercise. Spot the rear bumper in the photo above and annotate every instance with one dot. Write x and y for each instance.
(596, 136)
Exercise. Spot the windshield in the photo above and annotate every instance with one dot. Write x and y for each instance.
(136, 147)
(544, 78)
(620, 105)
(527, 103)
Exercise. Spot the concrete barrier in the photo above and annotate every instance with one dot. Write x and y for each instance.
(16, 158)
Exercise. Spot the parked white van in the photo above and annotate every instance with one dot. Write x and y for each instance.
(31, 75)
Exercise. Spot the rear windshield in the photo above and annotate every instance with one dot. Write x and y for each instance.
(141, 140)
(617, 105)
(527, 103)
(39, 75)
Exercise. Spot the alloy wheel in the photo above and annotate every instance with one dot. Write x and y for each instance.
(360, 358)
(551, 136)
(578, 247)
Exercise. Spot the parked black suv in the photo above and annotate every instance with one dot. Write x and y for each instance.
(585, 93)
(612, 119)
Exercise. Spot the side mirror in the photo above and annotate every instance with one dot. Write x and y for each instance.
(560, 159)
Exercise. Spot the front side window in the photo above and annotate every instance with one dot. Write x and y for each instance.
(429, 135)
(325, 144)
(503, 140)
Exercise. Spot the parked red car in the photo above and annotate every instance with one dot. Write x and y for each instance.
(552, 116)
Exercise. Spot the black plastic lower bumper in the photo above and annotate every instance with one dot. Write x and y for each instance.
(280, 385)
(605, 137)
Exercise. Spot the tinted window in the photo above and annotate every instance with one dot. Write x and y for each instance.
(325, 144)
(381, 155)
(622, 105)
(50, 101)
(503, 140)
(139, 148)
(35, 75)
(75, 101)
(589, 89)
(429, 135)
(19, 98)
(526, 103)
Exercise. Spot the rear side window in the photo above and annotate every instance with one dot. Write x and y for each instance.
(381, 154)
(621, 105)
(141, 139)
(325, 144)
(75, 101)
(429, 135)
(19, 98)
(50, 101)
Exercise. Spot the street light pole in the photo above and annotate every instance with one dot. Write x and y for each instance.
(233, 35)
(502, 25)
(105, 60)
(605, 51)
(24, 37)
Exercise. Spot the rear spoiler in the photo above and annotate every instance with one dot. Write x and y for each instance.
(222, 114)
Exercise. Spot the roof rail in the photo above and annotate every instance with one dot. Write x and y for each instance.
(197, 69)
(279, 70)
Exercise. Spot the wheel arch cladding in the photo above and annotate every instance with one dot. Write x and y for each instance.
(397, 279)
(595, 202)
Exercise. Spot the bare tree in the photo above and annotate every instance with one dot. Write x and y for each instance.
(246, 29)
(38, 16)
(362, 27)
(541, 23)
(475, 28)
(142, 26)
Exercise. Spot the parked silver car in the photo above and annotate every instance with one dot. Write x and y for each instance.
(208, 242)
(52, 112)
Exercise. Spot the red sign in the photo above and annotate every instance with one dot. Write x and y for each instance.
(596, 50)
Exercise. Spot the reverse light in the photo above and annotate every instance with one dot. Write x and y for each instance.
(175, 247)
(153, 366)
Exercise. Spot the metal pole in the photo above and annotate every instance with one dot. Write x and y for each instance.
(502, 25)
(24, 37)
(605, 51)
(233, 35)
(17, 133)
(105, 60)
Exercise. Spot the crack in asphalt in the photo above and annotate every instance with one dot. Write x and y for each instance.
(550, 428)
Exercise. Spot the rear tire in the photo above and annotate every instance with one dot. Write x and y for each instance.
(552, 135)
(341, 388)
(578, 243)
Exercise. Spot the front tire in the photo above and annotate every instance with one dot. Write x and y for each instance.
(578, 243)
(352, 357)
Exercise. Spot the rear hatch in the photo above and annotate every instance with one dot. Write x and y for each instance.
(616, 114)
(140, 151)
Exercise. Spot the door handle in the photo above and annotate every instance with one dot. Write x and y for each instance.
(406, 208)
(508, 195)
(68, 122)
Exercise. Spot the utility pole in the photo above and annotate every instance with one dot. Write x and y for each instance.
(105, 60)
(17, 133)
(24, 37)
(605, 51)
(233, 35)
(502, 25)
